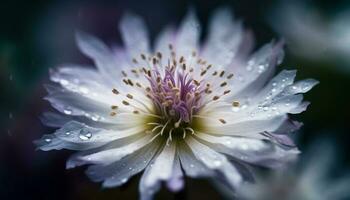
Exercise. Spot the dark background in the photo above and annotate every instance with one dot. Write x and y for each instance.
(37, 35)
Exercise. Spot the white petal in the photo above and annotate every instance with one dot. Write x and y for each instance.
(224, 38)
(248, 128)
(215, 160)
(176, 182)
(252, 76)
(119, 172)
(187, 37)
(191, 165)
(160, 170)
(166, 37)
(77, 136)
(99, 53)
(109, 156)
(135, 35)
(250, 150)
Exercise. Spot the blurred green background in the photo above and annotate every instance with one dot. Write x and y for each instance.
(38, 35)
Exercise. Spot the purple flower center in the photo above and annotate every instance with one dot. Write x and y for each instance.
(176, 96)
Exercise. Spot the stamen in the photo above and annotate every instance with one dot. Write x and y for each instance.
(222, 121)
(114, 107)
(115, 91)
(230, 76)
(125, 103)
(112, 114)
(129, 96)
(222, 74)
(223, 84)
(235, 103)
(215, 98)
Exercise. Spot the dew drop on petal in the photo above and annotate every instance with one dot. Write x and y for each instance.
(84, 90)
(47, 140)
(124, 180)
(95, 118)
(64, 82)
(67, 111)
(84, 134)
(217, 163)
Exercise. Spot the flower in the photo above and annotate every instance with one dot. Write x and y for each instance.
(307, 180)
(183, 108)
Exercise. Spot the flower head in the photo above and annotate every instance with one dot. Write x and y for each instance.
(206, 110)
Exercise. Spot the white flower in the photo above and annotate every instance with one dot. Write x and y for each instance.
(182, 108)
(309, 180)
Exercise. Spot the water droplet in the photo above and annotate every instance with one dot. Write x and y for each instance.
(244, 146)
(235, 109)
(47, 140)
(84, 134)
(261, 68)
(287, 104)
(124, 180)
(274, 84)
(67, 111)
(273, 90)
(249, 68)
(67, 133)
(217, 163)
(84, 90)
(64, 82)
(265, 108)
(95, 118)
(191, 165)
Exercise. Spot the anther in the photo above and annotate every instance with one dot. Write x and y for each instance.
(203, 72)
(125, 103)
(138, 84)
(129, 96)
(235, 103)
(124, 73)
(227, 91)
(222, 121)
(184, 66)
(215, 98)
(136, 112)
(112, 114)
(130, 82)
(215, 73)
(143, 56)
(222, 74)
(114, 107)
(181, 59)
(159, 55)
(223, 84)
(134, 61)
(115, 91)
(170, 46)
(194, 53)
(208, 67)
(230, 76)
